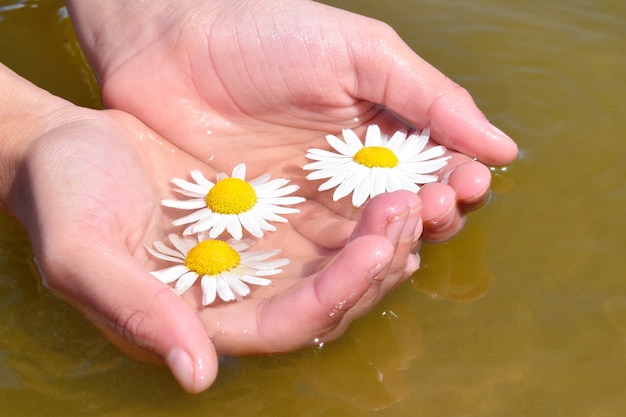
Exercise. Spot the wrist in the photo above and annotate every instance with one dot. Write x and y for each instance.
(26, 113)
(112, 31)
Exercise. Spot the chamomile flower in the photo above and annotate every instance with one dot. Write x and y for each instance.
(225, 266)
(382, 164)
(232, 203)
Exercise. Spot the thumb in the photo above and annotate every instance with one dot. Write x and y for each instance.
(139, 314)
(389, 73)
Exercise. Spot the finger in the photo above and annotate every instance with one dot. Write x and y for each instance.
(388, 72)
(397, 216)
(137, 312)
(326, 304)
(471, 181)
(442, 217)
(310, 310)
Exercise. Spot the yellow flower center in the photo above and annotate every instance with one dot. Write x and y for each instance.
(211, 257)
(376, 157)
(231, 196)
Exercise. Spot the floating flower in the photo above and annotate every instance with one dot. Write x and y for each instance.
(233, 202)
(225, 266)
(380, 165)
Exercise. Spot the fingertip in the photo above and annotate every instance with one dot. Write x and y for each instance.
(441, 215)
(385, 209)
(508, 147)
(439, 202)
(194, 373)
(471, 181)
(458, 123)
(412, 264)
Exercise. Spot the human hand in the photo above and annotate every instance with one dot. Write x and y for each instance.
(88, 191)
(218, 77)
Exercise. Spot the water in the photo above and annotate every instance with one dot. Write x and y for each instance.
(523, 314)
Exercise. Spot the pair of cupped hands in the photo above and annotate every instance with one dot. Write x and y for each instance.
(207, 85)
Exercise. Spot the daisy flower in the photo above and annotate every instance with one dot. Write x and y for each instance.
(225, 266)
(382, 164)
(232, 203)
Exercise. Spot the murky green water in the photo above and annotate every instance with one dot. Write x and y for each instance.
(524, 314)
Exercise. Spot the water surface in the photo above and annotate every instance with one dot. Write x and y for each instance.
(523, 314)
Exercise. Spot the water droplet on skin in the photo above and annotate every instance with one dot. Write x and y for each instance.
(318, 343)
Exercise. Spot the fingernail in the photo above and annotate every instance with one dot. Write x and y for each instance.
(396, 226)
(385, 258)
(408, 233)
(181, 366)
(499, 132)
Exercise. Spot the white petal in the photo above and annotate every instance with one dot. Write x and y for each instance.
(337, 178)
(352, 140)
(274, 184)
(233, 226)
(322, 154)
(171, 274)
(201, 180)
(398, 181)
(258, 255)
(206, 222)
(260, 180)
(263, 192)
(430, 154)
(223, 290)
(267, 212)
(265, 265)
(240, 245)
(267, 272)
(423, 167)
(239, 171)
(164, 249)
(183, 245)
(412, 146)
(250, 279)
(331, 171)
(235, 284)
(165, 257)
(248, 222)
(209, 289)
(189, 186)
(271, 207)
(349, 183)
(397, 139)
(329, 164)
(219, 227)
(340, 146)
(196, 203)
(193, 217)
(185, 282)
(262, 223)
(424, 179)
(378, 181)
(361, 190)
(373, 136)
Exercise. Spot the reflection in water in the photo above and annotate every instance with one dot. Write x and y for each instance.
(541, 331)
(373, 357)
(455, 270)
(44, 341)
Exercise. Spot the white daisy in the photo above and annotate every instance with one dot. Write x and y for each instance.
(224, 266)
(380, 165)
(233, 202)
